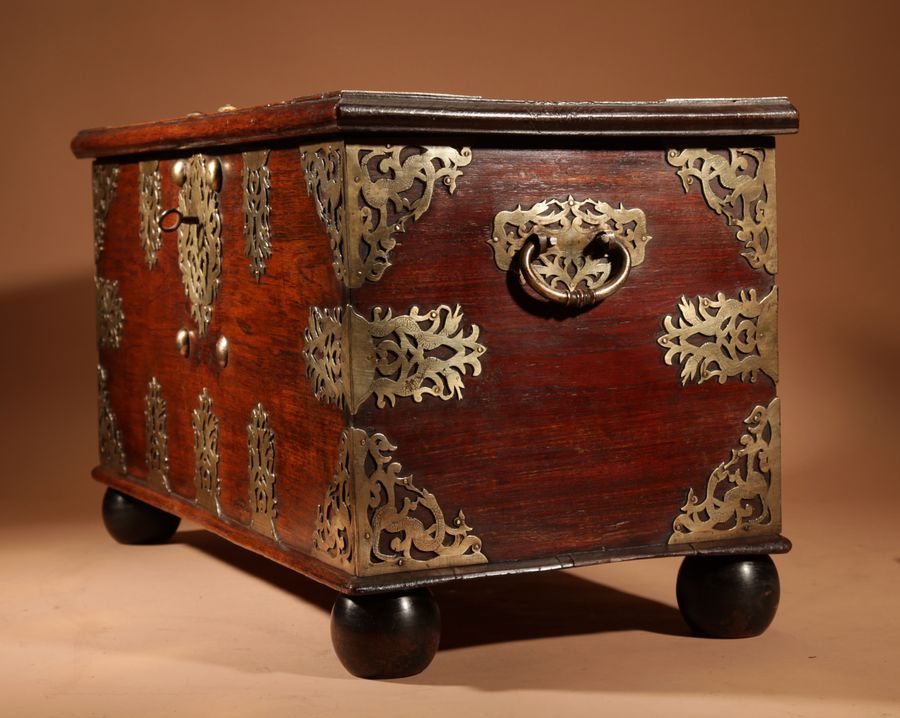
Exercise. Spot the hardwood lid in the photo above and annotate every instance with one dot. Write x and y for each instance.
(343, 112)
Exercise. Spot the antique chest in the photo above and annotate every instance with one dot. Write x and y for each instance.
(392, 340)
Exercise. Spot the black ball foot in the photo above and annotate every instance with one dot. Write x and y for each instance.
(391, 635)
(728, 596)
(131, 521)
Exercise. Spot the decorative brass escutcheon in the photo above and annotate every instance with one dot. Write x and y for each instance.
(576, 253)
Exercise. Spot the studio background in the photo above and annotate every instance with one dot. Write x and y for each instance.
(91, 628)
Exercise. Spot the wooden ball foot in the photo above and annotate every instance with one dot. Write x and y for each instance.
(130, 521)
(728, 596)
(390, 635)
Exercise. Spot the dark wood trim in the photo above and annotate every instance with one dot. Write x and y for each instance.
(380, 113)
(294, 558)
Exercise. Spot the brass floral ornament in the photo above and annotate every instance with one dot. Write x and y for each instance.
(155, 419)
(110, 316)
(743, 494)
(738, 184)
(199, 233)
(376, 521)
(721, 337)
(261, 469)
(206, 454)
(366, 194)
(105, 178)
(150, 184)
(257, 232)
(423, 353)
(112, 452)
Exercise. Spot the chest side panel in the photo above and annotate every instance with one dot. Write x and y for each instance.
(576, 435)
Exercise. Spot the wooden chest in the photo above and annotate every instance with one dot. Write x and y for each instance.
(392, 340)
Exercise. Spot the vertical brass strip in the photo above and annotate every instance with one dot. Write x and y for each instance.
(149, 210)
(105, 178)
(112, 451)
(257, 233)
(109, 313)
(155, 419)
(261, 470)
(206, 454)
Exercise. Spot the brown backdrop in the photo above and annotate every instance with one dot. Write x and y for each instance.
(66, 66)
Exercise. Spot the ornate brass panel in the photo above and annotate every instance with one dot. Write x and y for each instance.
(257, 233)
(569, 228)
(424, 353)
(150, 185)
(323, 168)
(155, 419)
(365, 194)
(723, 337)
(739, 185)
(110, 316)
(261, 468)
(112, 452)
(206, 454)
(105, 179)
(376, 521)
(199, 233)
(743, 494)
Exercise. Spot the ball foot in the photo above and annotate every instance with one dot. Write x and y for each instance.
(130, 521)
(728, 596)
(386, 635)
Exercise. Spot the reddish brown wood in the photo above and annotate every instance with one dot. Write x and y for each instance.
(368, 112)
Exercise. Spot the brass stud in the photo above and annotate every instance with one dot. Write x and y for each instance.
(183, 342)
(222, 352)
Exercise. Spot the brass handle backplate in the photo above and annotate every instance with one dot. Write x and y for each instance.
(573, 252)
(578, 296)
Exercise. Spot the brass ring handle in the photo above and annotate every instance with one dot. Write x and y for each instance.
(180, 219)
(580, 297)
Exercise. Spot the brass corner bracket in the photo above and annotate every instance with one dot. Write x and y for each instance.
(743, 494)
(376, 521)
(721, 337)
(424, 353)
(739, 185)
(365, 194)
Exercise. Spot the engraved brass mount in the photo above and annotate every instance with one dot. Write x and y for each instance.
(743, 494)
(565, 249)
(376, 521)
(199, 225)
(365, 194)
(739, 185)
(424, 353)
(720, 337)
